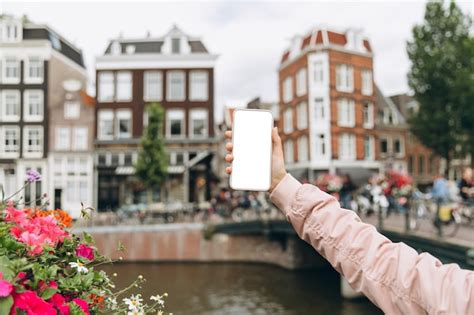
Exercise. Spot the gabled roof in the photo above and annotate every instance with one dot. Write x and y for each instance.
(386, 103)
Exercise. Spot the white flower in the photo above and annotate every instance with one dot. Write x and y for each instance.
(80, 267)
(134, 303)
(159, 299)
(112, 302)
(136, 312)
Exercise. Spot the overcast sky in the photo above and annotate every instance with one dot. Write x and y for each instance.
(248, 36)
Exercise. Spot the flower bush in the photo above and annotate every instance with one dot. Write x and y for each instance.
(47, 270)
(330, 183)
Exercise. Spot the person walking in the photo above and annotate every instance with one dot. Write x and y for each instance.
(347, 189)
(440, 193)
(392, 275)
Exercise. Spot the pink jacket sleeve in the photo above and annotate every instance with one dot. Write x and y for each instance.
(392, 275)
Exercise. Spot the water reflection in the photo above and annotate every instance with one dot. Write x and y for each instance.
(242, 289)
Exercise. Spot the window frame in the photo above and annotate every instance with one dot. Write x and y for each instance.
(147, 80)
(346, 106)
(26, 106)
(3, 106)
(75, 134)
(349, 147)
(127, 86)
(67, 112)
(192, 85)
(191, 122)
(126, 114)
(289, 148)
(302, 115)
(370, 114)
(100, 120)
(63, 141)
(169, 78)
(170, 113)
(3, 141)
(288, 123)
(303, 144)
(100, 95)
(26, 152)
(11, 80)
(301, 82)
(27, 65)
(288, 89)
(344, 78)
(367, 82)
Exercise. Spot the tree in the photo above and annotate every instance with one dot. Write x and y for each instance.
(440, 58)
(152, 164)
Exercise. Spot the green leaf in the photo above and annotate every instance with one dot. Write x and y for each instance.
(48, 293)
(6, 304)
(5, 268)
(88, 238)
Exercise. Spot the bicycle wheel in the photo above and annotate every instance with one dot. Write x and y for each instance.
(451, 227)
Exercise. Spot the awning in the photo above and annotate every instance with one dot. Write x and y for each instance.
(125, 170)
(176, 169)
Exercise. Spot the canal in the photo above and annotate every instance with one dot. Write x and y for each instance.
(242, 289)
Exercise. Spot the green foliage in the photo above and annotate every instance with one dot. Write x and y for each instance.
(442, 63)
(151, 166)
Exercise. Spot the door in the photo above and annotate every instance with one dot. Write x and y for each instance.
(57, 198)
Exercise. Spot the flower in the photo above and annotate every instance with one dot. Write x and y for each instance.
(33, 176)
(80, 267)
(159, 299)
(134, 302)
(59, 302)
(30, 302)
(83, 305)
(85, 251)
(135, 312)
(5, 287)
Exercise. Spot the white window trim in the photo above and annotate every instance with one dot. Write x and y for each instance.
(289, 148)
(100, 135)
(389, 146)
(119, 113)
(26, 116)
(67, 115)
(302, 116)
(74, 137)
(100, 96)
(402, 147)
(38, 154)
(67, 143)
(372, 149)
(367, 89)
(146, 96)
(370, 123)
(168, 86)
(349, 105)
(3, 131)
(301, 82)
(346, 73)
(168, 125)
(191, 124)
(116, 87)
(288, 125)
(287, 89)
(3, 107)
(306, 149)
(351, 146)
(192, 97)
(26, 71)
(6, 80)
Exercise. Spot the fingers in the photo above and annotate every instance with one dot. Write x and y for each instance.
(276, 137)
(229, 147)
(228, 134)
(228, 170)
(229, 158)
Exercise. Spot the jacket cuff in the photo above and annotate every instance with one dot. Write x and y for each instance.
(285, 192)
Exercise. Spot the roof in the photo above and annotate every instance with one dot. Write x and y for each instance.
(350, 39)
(148, 45)
(386, 103)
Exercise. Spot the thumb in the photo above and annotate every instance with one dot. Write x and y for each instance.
(276, 140)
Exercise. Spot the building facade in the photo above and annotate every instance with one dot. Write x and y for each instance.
(177, 71)
(327, 104)
(34, 60)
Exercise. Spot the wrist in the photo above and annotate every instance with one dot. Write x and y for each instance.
(276, 180)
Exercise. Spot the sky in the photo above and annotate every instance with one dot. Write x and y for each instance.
(248, 36)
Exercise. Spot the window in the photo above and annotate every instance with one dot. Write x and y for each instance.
(106, 125)
(318, 73)
(80, 138)
(410, 164)
(347, 146)
(369, 147)
(288, 121)
(33, 141)
(398, 148)
(175, 123)
(289, 157)
(12, 70)
(421, 164)
(389, 117)
(63, 137)
(320, 145)
(346, 112)
(71, 110)
(106, 86)
(176, 86)
(34, 70)
(303, 149)
(82, 166)
(175, 45)
(124, 124)
(198, 122)
(10, 137)
(319, 114)
(11, 105)
(199, 86)
(55, 42)
(302, 115)
(368, 113)
(33, 105)
(83, 191)
(301, 82)
(124, 86)
(344, 78)
(71, 191)
(153, 87)
(383, 146)
(367, 85)
(12, 32)
(287, 89)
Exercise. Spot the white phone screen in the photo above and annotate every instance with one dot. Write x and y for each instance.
(252, 140)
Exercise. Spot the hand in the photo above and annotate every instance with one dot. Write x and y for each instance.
(278, 162)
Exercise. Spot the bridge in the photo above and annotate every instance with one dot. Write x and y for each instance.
(449, 250)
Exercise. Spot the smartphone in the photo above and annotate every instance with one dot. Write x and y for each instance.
(252, 140)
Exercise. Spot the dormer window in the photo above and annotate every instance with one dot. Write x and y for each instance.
(12, 32)
(175, 45)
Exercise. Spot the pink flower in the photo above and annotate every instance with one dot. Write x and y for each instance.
(21, 275)
(5, 287)
(85, 251)
(83, 305)
(30, 302)
(15, 216)
(59, 302)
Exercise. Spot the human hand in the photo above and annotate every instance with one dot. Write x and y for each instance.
(278, 162)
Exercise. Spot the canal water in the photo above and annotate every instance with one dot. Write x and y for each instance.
(242, 289)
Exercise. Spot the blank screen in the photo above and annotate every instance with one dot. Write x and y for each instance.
(252, 139)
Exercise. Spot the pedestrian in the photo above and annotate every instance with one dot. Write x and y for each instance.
(465, 186)
(347, 189)
(440, 193)
(392, 275)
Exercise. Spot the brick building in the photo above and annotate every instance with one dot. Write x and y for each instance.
(327, 104)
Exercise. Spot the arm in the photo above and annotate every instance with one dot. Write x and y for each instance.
(392, 275)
